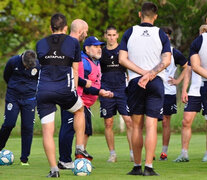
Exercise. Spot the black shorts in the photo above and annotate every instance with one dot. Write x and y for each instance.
(169, 106)
(193, 105)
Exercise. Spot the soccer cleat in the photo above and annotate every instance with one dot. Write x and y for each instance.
(163, 157)
(82, 154)
(137, 170)
(63, 165)
(204, 158)
(54, 174)
(181, 158)
(112, 158)
(24, 163)
(149, 172)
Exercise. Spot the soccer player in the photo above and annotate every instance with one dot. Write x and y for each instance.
(145, 51)
(198, 57)
(193, 104)
(59, 55)
(78, 30)
(114, 79)
(170, 106)
(21, 75)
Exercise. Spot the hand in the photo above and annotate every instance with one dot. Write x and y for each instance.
(88, 83)
(107, 94)
(173, 81)
(184, 97)
(144, 80)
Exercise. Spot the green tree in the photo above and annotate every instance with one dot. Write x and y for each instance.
(24, 22)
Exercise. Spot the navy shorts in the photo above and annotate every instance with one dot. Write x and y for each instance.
(169, 106)
(88, 128)
(47, 100)
(147, 101)
(203, 91)
(194, 104)
(110, 106)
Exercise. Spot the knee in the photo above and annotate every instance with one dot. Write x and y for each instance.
(8, 126)
(108, 123)
(164, 124)
(129, 124)
(186, 123)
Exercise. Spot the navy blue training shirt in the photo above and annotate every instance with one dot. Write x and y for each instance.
(21, 82)
(113, 74)
(69, 52)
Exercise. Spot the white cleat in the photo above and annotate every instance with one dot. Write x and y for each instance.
(112, 158)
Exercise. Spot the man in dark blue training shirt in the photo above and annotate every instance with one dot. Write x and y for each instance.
(78, 30)
(21, 75)
(114, 79)
(59, 55)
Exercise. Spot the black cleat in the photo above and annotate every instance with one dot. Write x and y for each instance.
(137, 170)
(82, 154)
(54, 174)
(149, 172)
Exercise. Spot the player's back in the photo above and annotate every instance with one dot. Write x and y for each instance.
(56, 54)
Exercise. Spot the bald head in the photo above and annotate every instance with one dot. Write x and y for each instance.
(203, 28)
(79, 29)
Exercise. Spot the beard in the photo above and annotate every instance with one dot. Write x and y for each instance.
(82, 37)
(97, 56)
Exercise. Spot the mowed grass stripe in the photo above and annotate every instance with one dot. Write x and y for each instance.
(39, 168)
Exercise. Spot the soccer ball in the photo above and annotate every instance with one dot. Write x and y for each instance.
(82, 167)
(6, 157)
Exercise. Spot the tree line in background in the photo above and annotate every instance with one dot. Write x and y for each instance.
(24, 22)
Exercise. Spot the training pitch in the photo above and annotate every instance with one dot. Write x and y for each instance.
(39, 168)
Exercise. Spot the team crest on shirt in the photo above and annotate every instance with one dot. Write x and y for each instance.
(33, 71)
(146, 33)
(9, 106)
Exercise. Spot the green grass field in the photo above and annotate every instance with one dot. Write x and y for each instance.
(39, 168)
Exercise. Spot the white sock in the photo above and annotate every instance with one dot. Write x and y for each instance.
(137, 165)
(184, 153)
(81, 147)
(149, 165)
(164, 149)
(112, 152)
(53, 169)
(131, 152)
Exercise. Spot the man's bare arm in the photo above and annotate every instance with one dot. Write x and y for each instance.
(186, 82)
(75, 73)
(149, 76)
(177, 81)
(196, 65)
(124, 61)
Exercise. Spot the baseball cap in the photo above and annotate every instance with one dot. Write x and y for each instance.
(92, 40)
